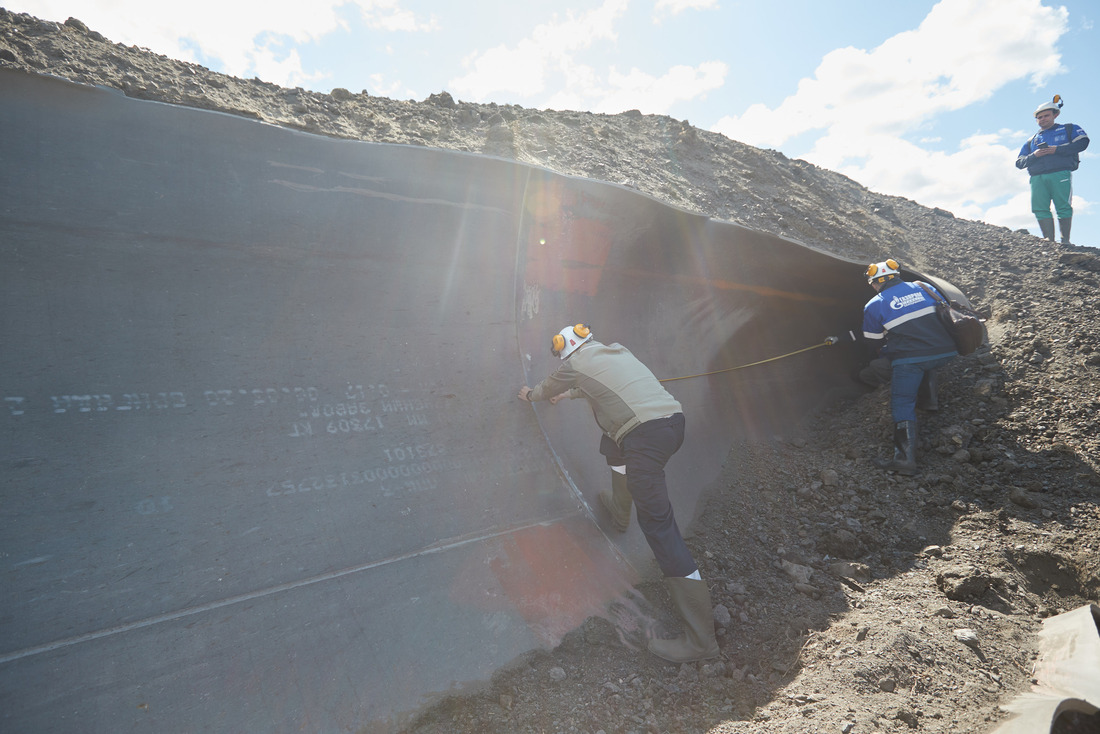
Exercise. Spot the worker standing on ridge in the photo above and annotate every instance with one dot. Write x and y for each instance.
(904, 315)
(643, 427)
(1050, 157)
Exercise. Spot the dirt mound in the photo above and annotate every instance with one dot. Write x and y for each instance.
(847, 600)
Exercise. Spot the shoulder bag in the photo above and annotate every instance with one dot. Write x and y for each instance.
(963, 324)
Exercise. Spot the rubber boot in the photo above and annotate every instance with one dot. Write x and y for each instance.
(692, 600)
(905, 450)
(1046, 226)
(617, 501)
(928, 394)
(1063, 225)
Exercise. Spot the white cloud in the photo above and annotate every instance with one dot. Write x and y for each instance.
(383, 87)
(516, 70)
(549, 56)
(961, 54)
(863, 104)
(656, 95)
(675, 7)
(247, 36)
(389, 16)
(268, 65)
(636, 90)
(581, 84)
(524, 68)
(981, 170)
(1015, 213)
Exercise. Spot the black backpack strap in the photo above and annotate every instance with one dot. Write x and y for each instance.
(935, 296)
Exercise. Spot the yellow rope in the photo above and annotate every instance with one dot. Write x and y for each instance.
(829, 341)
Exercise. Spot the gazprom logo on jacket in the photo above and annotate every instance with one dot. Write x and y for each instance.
(899, 302)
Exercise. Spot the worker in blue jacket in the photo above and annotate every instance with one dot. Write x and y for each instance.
(1050, 157)
(902, 318)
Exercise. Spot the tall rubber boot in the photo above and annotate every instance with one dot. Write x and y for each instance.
(928, 394)
(905, 450)
(692, 600)
(1063, 225)
(617, 501)
(1046, 226)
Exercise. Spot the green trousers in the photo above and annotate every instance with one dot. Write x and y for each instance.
(1048, 187)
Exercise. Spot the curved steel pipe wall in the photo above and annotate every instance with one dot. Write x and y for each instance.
(263, 464)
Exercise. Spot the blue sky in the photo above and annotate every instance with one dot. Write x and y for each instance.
(926, 100)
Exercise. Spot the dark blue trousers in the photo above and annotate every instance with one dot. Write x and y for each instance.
(905, 383)
(645, 451)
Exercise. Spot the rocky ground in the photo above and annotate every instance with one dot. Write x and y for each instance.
(847, 600)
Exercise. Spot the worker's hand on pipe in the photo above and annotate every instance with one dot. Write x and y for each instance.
(524, 392)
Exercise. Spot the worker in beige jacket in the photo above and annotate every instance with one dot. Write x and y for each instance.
(643, 426)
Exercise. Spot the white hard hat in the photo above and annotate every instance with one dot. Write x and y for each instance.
(566, 341)
(882, 271)
(1055, 106)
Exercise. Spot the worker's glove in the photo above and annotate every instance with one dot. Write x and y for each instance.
(847, 337)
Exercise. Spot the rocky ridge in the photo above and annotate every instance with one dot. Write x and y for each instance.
(847, 600)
